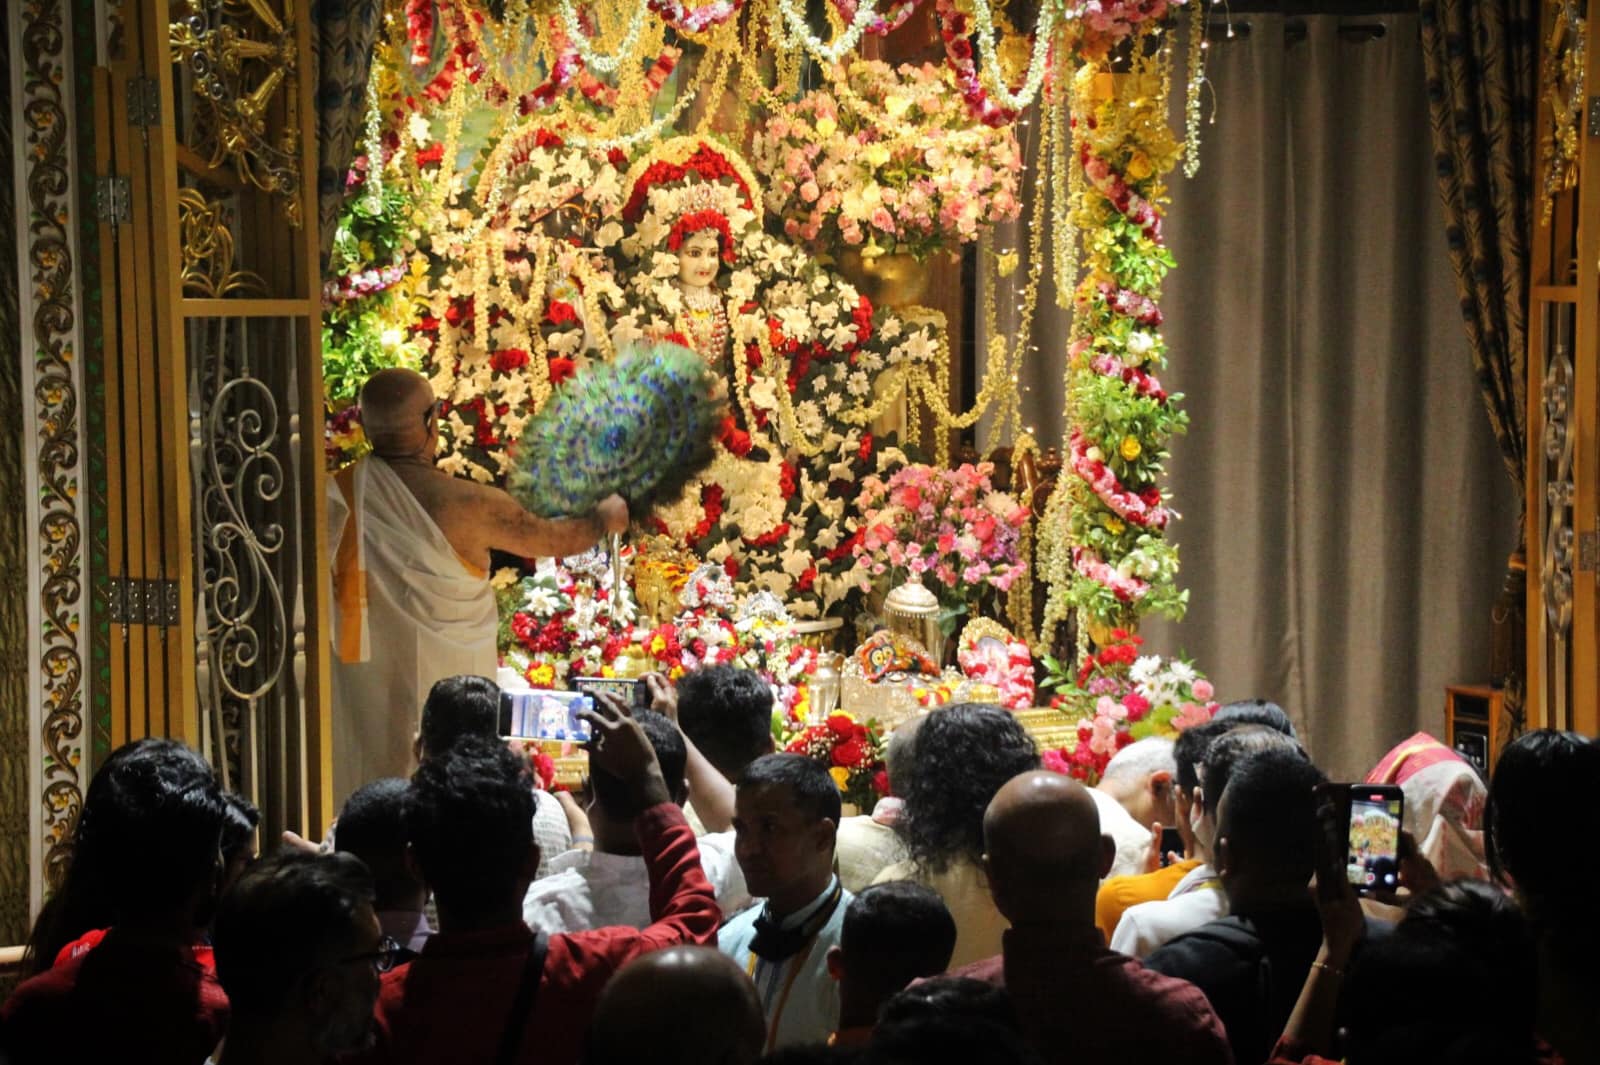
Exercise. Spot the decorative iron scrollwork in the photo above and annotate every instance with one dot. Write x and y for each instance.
(206, 243)
(242, 521)
(240, 54)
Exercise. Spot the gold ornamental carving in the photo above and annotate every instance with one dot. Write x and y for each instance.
(1561, 86)
(207, 248)
(240, 55)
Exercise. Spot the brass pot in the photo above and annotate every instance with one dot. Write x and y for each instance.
(896, 280)
(1100, 631)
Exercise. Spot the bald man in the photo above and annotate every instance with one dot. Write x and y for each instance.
(679, 1006)
(1075, 999)
(412, 601)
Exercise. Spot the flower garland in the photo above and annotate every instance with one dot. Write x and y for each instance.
(882, 25)
(843, 44)
(1113, 563)
(695, 19)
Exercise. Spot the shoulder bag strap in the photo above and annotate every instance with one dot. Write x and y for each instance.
(522, 1005)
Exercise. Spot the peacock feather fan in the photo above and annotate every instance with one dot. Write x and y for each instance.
(640, 426)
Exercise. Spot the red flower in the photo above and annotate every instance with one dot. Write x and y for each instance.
(545, 767)
(735, 439)
(841, 726)
(787, 476)
(865, 454)
(561, 369)
(730, 566)
(433, 153)
(849, 754)
(880, 782)
(806, 580)
(770, 539)
(560, 312)
(507, 360)
(696, 221)
(618, 158)
(459, 311)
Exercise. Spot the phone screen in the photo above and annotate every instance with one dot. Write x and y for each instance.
(1373, 858)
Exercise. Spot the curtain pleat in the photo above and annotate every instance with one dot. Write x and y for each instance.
(346, 33)
(1480, 58)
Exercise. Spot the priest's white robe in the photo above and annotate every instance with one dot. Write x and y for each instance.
(407, 611)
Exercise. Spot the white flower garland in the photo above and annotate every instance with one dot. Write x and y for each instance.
(827, 54)
(602, 64)
(1038, 61)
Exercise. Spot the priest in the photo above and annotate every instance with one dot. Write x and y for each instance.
(411, 597)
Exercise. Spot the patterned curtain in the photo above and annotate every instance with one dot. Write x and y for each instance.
(1481, 57)
(346, 33)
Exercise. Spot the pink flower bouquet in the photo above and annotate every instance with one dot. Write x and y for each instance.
(949, 528)
(892, 162)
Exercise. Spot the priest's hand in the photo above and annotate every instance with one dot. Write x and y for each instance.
(612, 514)
(620, 747)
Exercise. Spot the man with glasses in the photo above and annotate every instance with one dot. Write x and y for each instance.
(411, 597)
(299, 951)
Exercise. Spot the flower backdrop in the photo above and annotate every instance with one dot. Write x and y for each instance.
(547, 182)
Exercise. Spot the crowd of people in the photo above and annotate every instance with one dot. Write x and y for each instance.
(705, 900)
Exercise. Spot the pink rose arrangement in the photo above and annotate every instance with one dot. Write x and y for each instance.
(949, 528)
(1120, 697)
(890, 161)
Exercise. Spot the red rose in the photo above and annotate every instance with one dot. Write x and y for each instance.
(561, 369)
(545, 139)
(618, 158)
(730, 566)
(560, 312)
(507, 360)
(432, 154)
(849, 754)
(806, 580)
(865, 454)
(841, 726)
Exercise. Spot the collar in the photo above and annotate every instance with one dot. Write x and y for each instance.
(809, 910)
(1200, 877)
(1065, 942)
(487, 942)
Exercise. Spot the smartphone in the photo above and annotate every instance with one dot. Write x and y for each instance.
(550, 715)
(632, 691)
(1372, 852)
(1171, 843)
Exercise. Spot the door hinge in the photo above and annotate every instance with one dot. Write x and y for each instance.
(141, 601)
(144, 102)
(113, 200)
(1588, 551)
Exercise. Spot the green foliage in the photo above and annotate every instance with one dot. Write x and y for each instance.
(358, 340)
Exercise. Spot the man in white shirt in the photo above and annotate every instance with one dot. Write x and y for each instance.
(1198, 898)
(610, 886)
(785, 818)
(1134, 797)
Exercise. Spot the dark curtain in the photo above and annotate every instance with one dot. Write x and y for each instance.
(1480, 58)
(346, 33)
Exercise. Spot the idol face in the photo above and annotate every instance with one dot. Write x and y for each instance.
(699, 259)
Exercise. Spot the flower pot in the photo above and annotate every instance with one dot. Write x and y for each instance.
(897, 280)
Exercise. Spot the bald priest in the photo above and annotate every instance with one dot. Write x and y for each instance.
(411, 597)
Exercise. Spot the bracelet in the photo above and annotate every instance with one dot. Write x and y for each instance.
(1325, 967)
(582, 839)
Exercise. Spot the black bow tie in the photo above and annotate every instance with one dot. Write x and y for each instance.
(776, 944)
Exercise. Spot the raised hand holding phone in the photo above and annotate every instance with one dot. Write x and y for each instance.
(619, 746)
(1343, 923)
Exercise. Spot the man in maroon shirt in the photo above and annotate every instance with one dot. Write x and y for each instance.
(1076, 1000)
(139, 996)
(480, 993)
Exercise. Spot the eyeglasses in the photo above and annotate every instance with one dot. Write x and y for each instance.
(382, 960)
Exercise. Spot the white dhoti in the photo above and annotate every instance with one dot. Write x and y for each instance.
(407, 611)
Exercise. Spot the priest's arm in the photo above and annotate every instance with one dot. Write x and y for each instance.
(508, 527)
